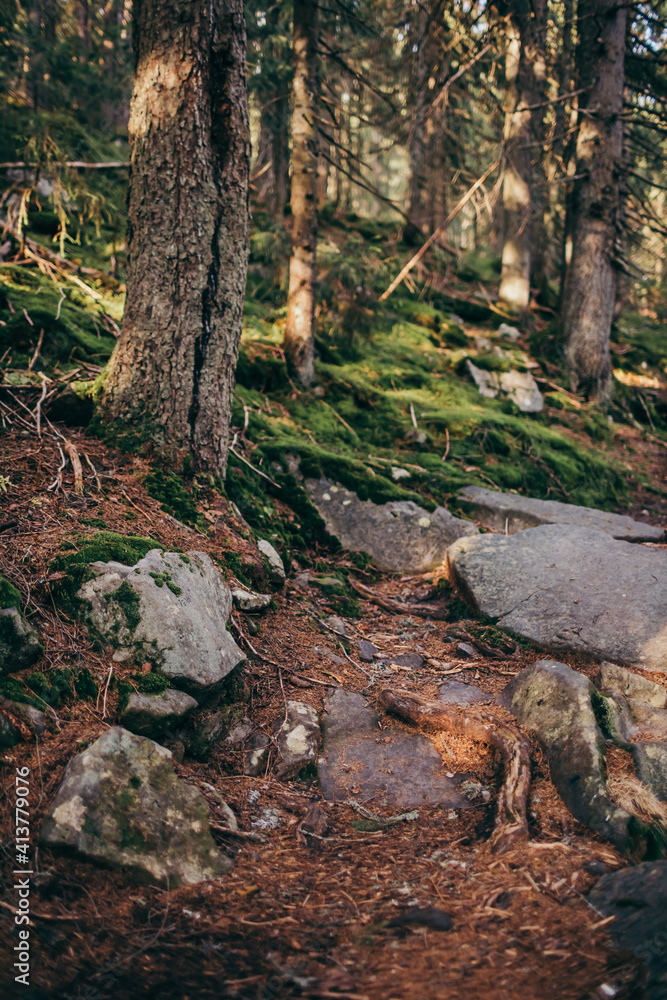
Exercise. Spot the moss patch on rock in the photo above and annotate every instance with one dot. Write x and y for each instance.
(9, 595)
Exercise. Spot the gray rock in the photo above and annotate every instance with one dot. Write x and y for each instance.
(153, 715)
(400, 536)
(32, 716)
(389, 767)
(457, 693)
(570, 588)
(120, 803)
(9, 734)
(298, 737)
(511, 512)
(367, 651)
(276, 566)
(239, 732)
(466, 649)
(246, 600)
(637, 898)
(508, 332)
(208, 729)
(413, 661)
(328, 654)
(337, 625)
(520, 387)
(256, 758)
(650, 759)
(556, 703)
(650, 722)
(635, 687)
(226, 813)
(19, 643)
(178, 613)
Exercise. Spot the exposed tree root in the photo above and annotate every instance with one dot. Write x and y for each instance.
(511, 821)
(399, 607)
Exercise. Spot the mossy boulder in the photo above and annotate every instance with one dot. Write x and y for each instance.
(170, 609)
(19, 642)
(121, 804)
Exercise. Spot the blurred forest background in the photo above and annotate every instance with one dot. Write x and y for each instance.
(505, 161)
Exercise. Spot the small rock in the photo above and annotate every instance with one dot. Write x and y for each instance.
(120, 803)
(239, 732)
(35, 719)
(366, 651)
(246, 600)
(9, 734)
(398, 474)
(153, 715)
(298, 738)
(509, 332)
(276, 566)
(415, 436)
(256, 758)
(457, 693)
(650, 759)
(209, 728)
(522, 389)
(337, 625)
(225, 811)
(632, 686)
(465, 649)
(329, 655)
(19, 643)
(413, 661)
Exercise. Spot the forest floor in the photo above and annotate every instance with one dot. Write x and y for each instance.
(292, 919)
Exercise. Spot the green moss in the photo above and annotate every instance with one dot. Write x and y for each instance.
(14, 690)
(55, 688)
(165, 578)
(151, 683)
(85, 685)
(94, 522)
(170, 491)
(129, 602)
(105, 546)
(9, 595)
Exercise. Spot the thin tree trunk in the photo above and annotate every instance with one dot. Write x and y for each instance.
(299, 331)
(590, 287)
(171, 378)
(525, 76)
(280, 152)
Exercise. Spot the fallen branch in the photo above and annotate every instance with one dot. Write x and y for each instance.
(73, 455)
(398, 607)
(436, 233)
(511, 820)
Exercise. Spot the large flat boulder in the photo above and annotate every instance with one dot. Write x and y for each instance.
(570, 588)
(511, 512)
(637, 898)
(153, 715)
(170, 609)
(388, 767)
(556, 703)
(400, 536)
(121, 804)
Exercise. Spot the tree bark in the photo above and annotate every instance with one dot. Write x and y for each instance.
(590, 287)
(171, 377)
(525, 77)
(299, 331)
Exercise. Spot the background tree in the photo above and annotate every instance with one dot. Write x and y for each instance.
(590, 288)
(299, 331)
(172, 375)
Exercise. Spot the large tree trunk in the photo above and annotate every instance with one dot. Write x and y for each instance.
(299, 331)
(525, 77)
(590, 288)
(172, 375)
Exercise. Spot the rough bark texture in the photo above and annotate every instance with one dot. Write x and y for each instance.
(511, 820)
(299, 331)
(589, 294)
(171, 377)
(522, 191)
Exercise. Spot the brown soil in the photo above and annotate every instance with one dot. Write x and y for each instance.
(295, 917)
